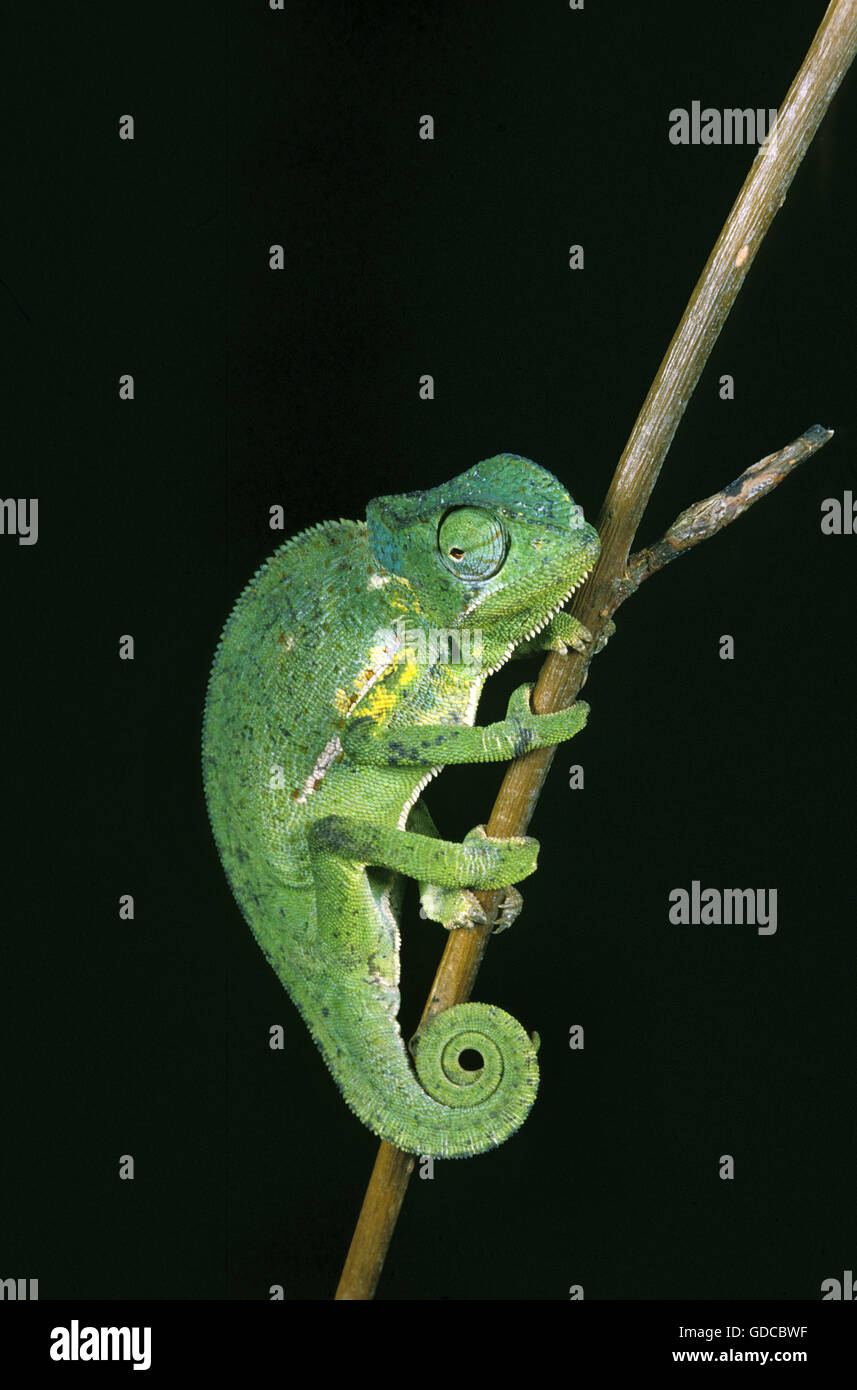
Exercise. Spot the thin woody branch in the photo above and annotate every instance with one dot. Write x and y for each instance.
(763, 193)
(704, 519)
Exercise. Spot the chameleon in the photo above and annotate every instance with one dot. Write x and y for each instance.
(347, 675)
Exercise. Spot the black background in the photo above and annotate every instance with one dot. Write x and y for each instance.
(301, 388)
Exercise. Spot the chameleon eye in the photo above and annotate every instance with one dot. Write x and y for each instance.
(472, 542)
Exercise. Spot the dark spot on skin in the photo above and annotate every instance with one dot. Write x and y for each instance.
(523, 741)
(283, 638)
(330, 833)
(325, 1013)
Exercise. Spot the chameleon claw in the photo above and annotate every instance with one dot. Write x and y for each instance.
(509, 910)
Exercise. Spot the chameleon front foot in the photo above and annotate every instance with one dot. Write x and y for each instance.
(564, 631)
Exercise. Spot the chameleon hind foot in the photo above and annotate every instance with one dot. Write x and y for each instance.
(459, 909)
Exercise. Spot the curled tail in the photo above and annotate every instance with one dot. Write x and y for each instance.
(443, 1109)
(446, 1110)
(487, 1103)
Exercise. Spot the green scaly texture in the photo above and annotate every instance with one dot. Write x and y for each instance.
(347, 675)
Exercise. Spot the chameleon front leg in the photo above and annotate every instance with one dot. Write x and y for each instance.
(563, 631)
(459, 908)
(432, 744)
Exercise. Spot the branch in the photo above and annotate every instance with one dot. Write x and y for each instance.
(762, 195)
(704, 519)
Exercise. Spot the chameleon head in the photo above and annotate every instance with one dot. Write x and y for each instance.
(502, 547)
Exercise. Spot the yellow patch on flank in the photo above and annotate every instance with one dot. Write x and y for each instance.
(379, 704)
(381, 701)
(372, 689)
(345, 702)
(408, 670)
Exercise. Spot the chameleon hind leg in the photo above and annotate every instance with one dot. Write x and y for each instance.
(478, 863)
(459, 908)
(357, 942)
(357, 901)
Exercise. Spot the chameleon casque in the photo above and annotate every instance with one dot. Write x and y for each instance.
(336, 694)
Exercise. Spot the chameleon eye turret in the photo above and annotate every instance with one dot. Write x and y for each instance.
(472, 542)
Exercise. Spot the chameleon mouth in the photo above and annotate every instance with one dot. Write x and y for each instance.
(528, 636)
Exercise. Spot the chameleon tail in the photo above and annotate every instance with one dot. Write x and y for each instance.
(490, 1103)
(435, 1107)
(450, 1112)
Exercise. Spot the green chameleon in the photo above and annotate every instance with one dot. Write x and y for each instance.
(347, 675)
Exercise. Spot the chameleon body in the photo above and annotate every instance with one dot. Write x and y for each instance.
(338, 690)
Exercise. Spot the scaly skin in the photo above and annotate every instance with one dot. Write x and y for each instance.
(329, 708)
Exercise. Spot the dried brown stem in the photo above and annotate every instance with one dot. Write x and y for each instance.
(704, 519)
(763, 193)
